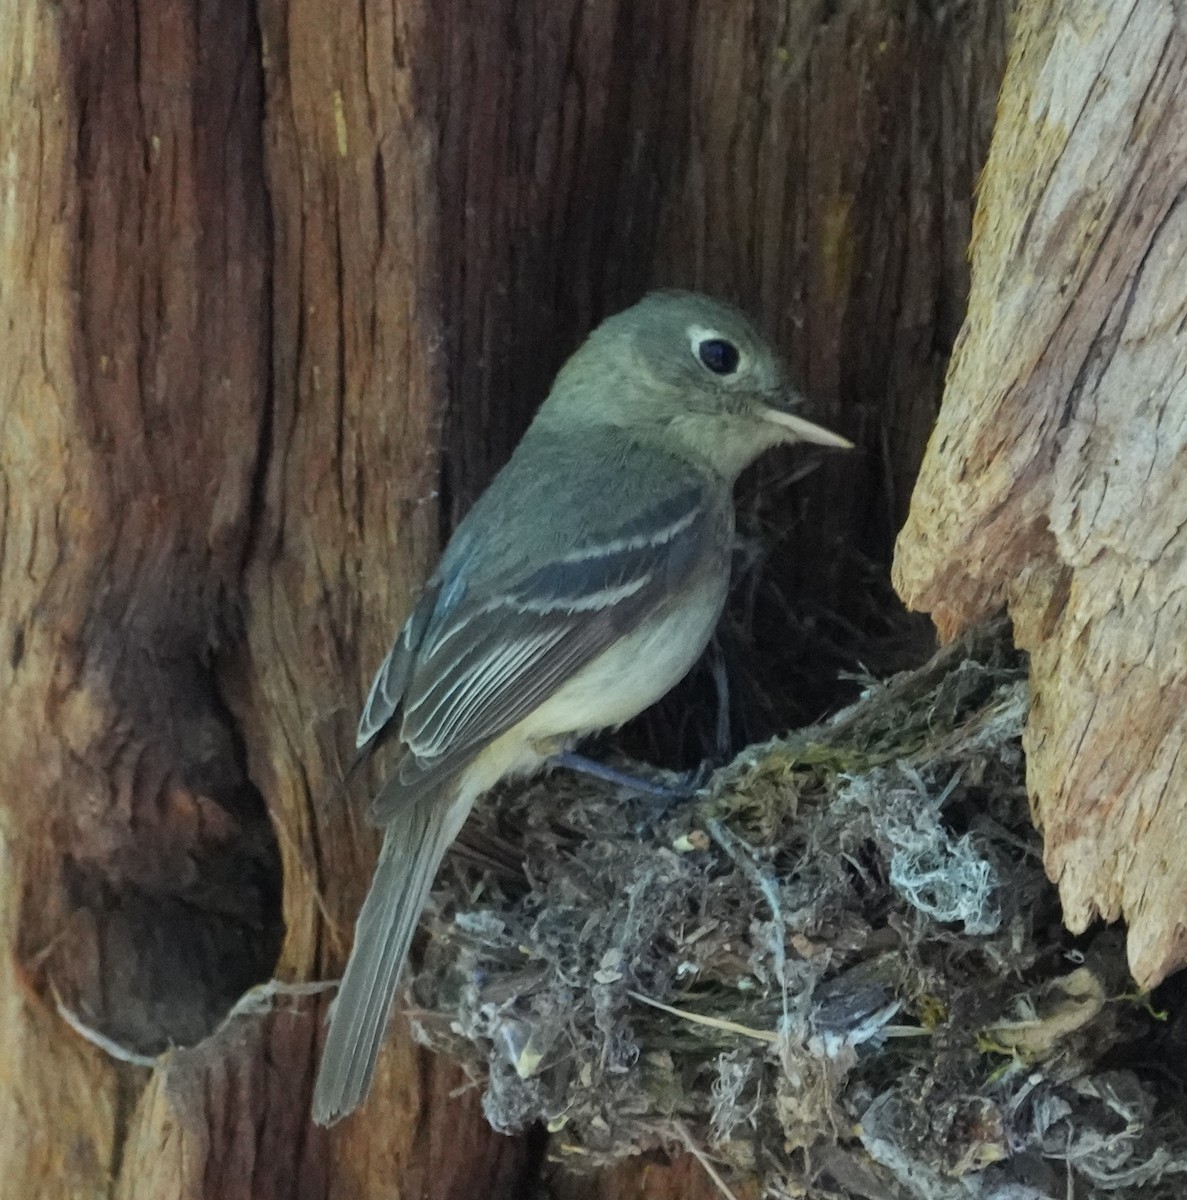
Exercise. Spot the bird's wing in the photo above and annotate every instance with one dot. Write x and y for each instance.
(482, 661)
(391, 680)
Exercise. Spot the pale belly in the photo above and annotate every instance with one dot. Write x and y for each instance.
(622, 682)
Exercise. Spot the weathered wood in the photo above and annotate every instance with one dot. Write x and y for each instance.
(348, 526)
(245, 258)
(142, 879)
(1054, 480)
(188, 471)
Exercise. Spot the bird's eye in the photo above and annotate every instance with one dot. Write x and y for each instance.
(720, 356)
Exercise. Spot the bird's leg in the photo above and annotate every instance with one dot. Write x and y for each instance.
(660, 795)
(572, 761)
(723, 740)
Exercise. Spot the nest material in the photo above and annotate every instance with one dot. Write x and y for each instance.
(842, 970)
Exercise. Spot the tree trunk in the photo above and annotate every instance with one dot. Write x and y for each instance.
(1053, 482)
(272, 285)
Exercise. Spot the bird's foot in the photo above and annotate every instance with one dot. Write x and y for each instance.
(661, 795)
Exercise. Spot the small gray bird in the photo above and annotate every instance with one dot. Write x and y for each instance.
(583, 584)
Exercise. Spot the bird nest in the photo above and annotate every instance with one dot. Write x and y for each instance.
(840, 969)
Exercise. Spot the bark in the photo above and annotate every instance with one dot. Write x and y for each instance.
(192, 498)
(246, 258)
(1053, 482)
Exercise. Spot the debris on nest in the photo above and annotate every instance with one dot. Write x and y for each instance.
(841, 969)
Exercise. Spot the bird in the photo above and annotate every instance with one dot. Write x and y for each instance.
(581, 586)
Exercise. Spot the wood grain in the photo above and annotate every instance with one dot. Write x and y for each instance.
(1054, 480)
(278, 290)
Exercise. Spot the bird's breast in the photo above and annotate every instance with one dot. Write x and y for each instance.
(638, 669)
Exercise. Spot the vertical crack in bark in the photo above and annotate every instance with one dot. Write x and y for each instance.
(168, 898)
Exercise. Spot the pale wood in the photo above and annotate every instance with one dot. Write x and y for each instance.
(257, 271)
(56, 1076)
(1054, 481)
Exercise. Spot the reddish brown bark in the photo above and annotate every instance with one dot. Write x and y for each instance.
(257, 272)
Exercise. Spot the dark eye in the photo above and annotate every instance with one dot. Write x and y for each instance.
(720, 356)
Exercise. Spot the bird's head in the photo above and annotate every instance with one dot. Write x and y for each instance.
(693, 372)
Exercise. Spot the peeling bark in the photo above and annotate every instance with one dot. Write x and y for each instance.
(1054, 480)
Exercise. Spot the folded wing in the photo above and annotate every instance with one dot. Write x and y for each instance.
(471, 663)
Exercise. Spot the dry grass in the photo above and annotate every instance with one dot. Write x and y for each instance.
(842, 967)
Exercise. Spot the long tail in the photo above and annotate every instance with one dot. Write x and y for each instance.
(415, 841)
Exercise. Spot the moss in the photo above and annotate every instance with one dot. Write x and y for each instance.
(842, 967)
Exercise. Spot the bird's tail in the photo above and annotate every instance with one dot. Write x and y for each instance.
(414, 843)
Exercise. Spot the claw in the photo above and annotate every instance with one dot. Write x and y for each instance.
(684, 787)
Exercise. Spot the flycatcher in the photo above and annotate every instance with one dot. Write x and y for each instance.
(583, 584)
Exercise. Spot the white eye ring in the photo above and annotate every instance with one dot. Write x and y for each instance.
(698, 335)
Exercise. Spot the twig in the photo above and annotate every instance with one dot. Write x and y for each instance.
(258, 1000)
(701, 1157)
(759, 1035)
(108, 1045)
(743, 855)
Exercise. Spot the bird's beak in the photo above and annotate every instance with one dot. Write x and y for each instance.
(805, 431)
